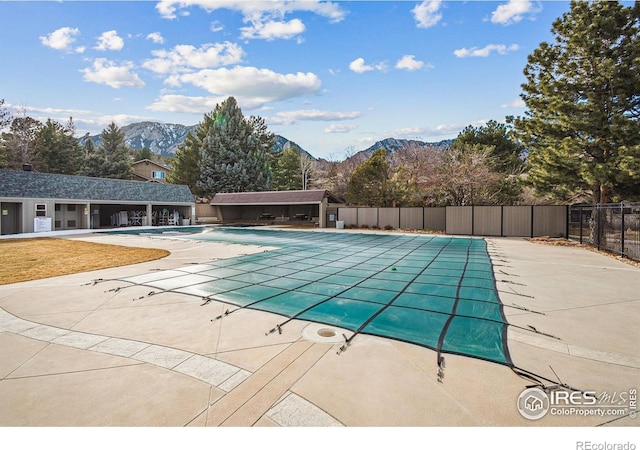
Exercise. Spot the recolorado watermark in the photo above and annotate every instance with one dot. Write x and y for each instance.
(589, 445)
(534, 403)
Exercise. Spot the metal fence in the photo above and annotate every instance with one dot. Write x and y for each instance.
(614, 227)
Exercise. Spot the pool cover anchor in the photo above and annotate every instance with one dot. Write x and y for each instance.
(535, 330)
(440, 371)
(277, 328)
(224, 314)
(143, 296)
(347, 343)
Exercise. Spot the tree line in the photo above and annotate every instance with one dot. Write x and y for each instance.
(579, 139)
(52, 147)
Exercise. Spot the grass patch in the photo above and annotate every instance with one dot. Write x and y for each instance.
(37, 258)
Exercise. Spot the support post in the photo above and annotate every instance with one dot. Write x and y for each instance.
(622, 230)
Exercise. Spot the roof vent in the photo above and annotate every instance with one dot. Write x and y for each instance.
(26, 167)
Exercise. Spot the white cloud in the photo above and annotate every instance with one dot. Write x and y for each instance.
(427, 13)
(216, 26)
(272, 30)
(501, 49)
(61, 39)
(409, 62)
(331, 10)
(183, 58)
(109, 40)
(59, 112)
(339, 128)
(265, 19)
(358, 66)
(518, 103)
(115, 76)
(156, 37)
(185, 104)
(291, 117)
(513, 12)
(253, 86)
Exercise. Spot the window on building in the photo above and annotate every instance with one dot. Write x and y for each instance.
(158, 175)
(71, 207)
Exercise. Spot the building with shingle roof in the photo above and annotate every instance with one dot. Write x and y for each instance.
(35, 201)
(317, 206)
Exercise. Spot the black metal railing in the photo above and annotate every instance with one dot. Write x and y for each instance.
(614, 227)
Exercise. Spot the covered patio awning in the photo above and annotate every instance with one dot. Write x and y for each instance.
(275, 204)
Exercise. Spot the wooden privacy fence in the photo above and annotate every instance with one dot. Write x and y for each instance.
(516, 221)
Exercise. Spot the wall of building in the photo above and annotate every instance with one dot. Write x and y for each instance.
(145, 170)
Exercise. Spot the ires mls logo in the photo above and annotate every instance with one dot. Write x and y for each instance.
(534, 403)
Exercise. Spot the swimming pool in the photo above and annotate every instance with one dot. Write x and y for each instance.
(435, 291)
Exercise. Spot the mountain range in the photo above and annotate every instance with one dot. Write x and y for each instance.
(164, 138)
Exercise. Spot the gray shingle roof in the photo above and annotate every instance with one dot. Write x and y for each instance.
(14, 183)
(272, 197)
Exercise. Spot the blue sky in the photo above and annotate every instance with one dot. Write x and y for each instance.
(332, 76)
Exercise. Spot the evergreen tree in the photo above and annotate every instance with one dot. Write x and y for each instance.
(582, 127)
(143, 153)
(111, 158)
(235, 152)
(505, 151)
(370, 184)
(286, 173)
(58, 149)
(185, 167)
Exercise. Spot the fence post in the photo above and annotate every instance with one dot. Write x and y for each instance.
(598, 225)
(622, 229)
(532, 212)
(473, 221)
(581, 225)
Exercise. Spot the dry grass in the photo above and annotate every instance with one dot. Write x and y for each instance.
(33, 259)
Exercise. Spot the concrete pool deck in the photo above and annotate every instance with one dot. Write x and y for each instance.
(75, 353)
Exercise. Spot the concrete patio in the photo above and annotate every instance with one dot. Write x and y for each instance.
(84, 354)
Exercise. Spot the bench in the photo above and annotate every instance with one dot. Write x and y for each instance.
(206, 219)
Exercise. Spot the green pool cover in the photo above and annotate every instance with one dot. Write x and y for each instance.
(434, 291)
